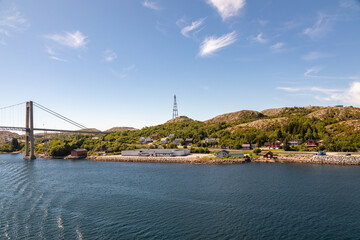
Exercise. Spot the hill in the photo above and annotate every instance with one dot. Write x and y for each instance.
(336, 113)
(236, 117)
(180, 119)
(263, 124)
(271, 112)
(120, 129)
(8, 134)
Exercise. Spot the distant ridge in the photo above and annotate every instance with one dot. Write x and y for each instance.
(236, 117)
(120, 129)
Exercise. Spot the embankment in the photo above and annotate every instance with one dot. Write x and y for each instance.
(187, 159)
(333, 159)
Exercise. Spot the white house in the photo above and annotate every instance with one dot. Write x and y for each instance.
(156, 152)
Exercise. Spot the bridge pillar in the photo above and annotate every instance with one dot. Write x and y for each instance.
(29, 135)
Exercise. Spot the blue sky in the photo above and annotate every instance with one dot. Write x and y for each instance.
(119, 63)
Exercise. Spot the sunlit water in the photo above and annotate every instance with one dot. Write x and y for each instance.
(63, 199)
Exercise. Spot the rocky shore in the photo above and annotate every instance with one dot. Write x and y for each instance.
(332, 159)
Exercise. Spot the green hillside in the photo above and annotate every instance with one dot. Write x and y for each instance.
(338, 127)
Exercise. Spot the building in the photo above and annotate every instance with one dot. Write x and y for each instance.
(295, 142)
(164, 140)
(275, 145)
(266, 144)
(224, 153)
(156, 152)
(177, 141)
(145, 140)
(248, 146)
(79, 153)
(6, 139)
(189, 141)
(155, 136)
(171, 135)
(311, 143)
(268, 155)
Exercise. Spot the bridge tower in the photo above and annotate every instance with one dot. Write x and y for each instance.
(29, 135)
(175, 109)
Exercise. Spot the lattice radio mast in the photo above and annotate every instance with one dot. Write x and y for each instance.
(175, 109)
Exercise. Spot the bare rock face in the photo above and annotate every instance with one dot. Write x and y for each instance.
(180, 119)
(235, 117)
(263, 124)
(339, 113)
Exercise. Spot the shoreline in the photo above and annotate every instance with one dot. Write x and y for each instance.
(353, 160)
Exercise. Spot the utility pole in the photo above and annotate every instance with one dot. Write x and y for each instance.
(175, 109)
(29, 135)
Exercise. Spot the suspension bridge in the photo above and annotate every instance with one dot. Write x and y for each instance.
(29, 124)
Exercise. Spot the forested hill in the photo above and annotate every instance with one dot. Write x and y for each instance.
(338, 127)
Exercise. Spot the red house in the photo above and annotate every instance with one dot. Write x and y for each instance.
(269, 155)
(311, 143)
(79, 153)
(274, 145)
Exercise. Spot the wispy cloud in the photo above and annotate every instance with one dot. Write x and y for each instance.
(352, 4)
(151, 4)
(263, 22)
(314, 56)
(213, 44)
(227, 8)
(321, 27)
(109, 55)
(259, 38)
(69, 39)
(313, 71)
(277, 46)
(124, 72)
(289, 89)
(57, 59)
(194, 25)
(12, 21)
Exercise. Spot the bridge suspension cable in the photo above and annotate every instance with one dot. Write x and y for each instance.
(59, 115)
(14, 105)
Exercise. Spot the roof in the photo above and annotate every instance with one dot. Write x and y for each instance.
(80, 150)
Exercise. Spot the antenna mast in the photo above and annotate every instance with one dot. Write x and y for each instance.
(175, 109)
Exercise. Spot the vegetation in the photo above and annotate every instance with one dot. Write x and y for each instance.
(339, 128)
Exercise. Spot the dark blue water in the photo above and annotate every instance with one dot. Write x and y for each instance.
(63, 199)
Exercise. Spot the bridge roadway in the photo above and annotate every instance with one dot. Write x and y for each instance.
(4, 128)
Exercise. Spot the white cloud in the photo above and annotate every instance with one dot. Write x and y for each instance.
(109, 55)
(260, 39)
(227, 8)
(277, 46)
(289, 89)
(314, 55)
(151, 5)
(70, 39)
(12, 21)
(213, 44)
(321, 27)
(352, 4)
(194, 25)
(57, 59)
(350, 95)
